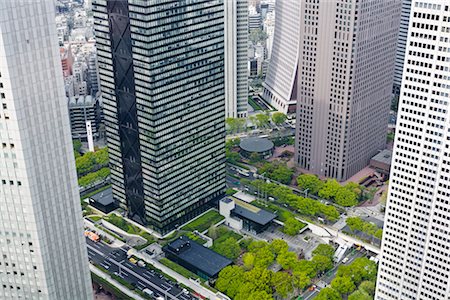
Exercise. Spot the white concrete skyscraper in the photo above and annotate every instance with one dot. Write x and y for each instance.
(345, 78)
(280, 85)
(236, 69)
(415, 260)
(42, 249)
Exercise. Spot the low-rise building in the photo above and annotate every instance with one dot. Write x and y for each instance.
(241, 215)
(196, 258)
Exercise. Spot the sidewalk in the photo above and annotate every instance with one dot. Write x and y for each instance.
(108, 278)
(181, 279)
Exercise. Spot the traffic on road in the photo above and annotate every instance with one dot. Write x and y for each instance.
(151, 283)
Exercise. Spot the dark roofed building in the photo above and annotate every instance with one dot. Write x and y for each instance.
(253, 218)
(262, 146)
(103, 201)
(196, 258)
(382, 161)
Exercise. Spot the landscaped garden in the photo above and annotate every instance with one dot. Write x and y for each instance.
(203, 222)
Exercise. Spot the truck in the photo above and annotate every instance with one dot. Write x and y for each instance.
(92, 236)
(141, 264)
(148, 291)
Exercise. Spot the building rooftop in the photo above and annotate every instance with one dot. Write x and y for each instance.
(384, 156)
(202, 258)
(253, 213)
(81, 101)
(256, 144)
(104, 197)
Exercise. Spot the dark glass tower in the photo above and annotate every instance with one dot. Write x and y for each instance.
(161, 66)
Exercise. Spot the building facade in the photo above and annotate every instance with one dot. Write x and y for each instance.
(280, 85)
(401, 46)
(415, 260)
(236, 70)
(42, 249)
(83, 109)
(161, 66)
(345, 83)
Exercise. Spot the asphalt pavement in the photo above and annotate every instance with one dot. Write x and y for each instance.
(115, 261)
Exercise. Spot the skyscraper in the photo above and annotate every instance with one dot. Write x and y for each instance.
(42, 249)
(280, 85)
(401, 45)
(236, 69)
(415, 256)
(161, 66)
(345, 75)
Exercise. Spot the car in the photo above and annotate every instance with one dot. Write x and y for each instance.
(185, 291)
(345, 260)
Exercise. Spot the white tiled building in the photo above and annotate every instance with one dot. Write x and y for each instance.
(415, 261)
(42, 249)
(236, 71)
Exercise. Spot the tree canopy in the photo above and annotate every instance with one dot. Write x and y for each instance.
(310, 182)
(328, 294)
(278, 118)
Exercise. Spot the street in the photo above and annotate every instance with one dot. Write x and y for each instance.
(115, 261)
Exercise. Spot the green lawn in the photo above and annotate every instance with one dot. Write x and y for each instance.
(131, 229)
(253, 104)
(225, 233)
(204, 222)
(95, 218)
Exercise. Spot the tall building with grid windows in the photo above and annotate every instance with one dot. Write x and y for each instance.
(401, 45)
(236, 53)
(415, 256)
(161, 66)
(345, 77)
(42, 249)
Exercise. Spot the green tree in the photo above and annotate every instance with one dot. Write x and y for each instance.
(283, 283)
(229, 280)
(264, 257)
(310, 182)
(287, 259)
(292, 226)
(346, 198)
(212, 232)
(359, 295)
(343, 285)
(355, 223)
(305, 266)
(85, 163)
(367, 287)
(257, 35)
(328, 211)
(278, 118)
(77, 145)
(322, 263)
(256, 245)
(328, 294)
(260, 278)
(249, 260)
(378, 234)
(254, 157)
(228, 248)
(262, 120)
(329, 189)
(301, 279)
(232, 124)
(277, 246)
(260, 295)
(325, 250)
(101, 157)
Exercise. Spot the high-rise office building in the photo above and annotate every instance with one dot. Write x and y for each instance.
(236, 64)
(280, 85)
(415, 256)
(401, 45)
(42, 249)
(161, 66)
(345, 80)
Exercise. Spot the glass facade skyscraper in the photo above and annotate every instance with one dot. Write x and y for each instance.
(161, 66)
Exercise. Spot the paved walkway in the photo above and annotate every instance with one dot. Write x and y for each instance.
(122, 288)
